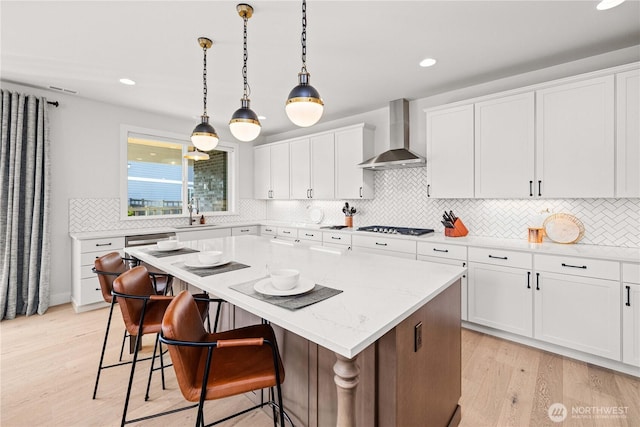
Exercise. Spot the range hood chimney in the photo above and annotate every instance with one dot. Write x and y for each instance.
(399, 155)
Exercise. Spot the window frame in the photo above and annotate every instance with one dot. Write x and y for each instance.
(232, 148)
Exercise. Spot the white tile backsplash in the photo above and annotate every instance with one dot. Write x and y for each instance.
(401, 200)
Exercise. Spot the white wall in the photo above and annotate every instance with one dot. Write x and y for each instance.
(85, 164)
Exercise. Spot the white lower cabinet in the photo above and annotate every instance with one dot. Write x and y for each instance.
(243, 231)
(631, 314)
(500, 297)
(580, 313)
(385, 246)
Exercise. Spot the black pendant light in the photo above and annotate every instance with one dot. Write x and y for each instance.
(304, 106)
(244, 124)
(204, 136)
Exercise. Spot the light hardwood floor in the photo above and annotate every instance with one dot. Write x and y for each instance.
(48, 365)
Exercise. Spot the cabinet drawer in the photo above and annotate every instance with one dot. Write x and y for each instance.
(442, 250)
(336, 238)
(385, 243)
(105, 245)
(500, 257)
(240, 231)
(288, 232)
(90, 291)
(89, 257)
(631, 273)
(578, 266)
(316, 236)
(267, 230)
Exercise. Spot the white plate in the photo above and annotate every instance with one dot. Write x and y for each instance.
(180, 246)
(195, 263)
(265, 286)
(316, 214)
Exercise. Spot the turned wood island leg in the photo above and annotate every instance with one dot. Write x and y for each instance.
(346, 380)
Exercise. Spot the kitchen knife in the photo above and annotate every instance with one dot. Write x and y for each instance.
(447, 217)
(452, 216)
(447, 224)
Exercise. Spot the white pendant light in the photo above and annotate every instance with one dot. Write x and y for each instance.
(304, 106)
(196, 155)
(244, 124)
(608, 4)
(204, 135)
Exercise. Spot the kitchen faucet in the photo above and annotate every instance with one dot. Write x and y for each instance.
(190, 207)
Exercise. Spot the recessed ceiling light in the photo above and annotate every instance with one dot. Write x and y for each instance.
(152, 154)
(608, 4)
(138, 158)
(128, 82)
(427, 62)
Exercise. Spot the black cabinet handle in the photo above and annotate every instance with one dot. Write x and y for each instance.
(537, 281)
(97, 289)
(245, 231)
(311, 193)
(539, 188)
(361, 192)
(628, 303)
(464, 264)
(498, 257)
(584, 267)
(441, 250)
(530, 188)
(268, 229)
(428, 190)
(286, 232)
(528, 280)
(103, 244)
(381, 244)
(308, 235)
(336, 238)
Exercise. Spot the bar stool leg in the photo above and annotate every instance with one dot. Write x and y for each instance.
(104, 346)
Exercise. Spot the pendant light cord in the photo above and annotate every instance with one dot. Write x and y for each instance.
(204, 80)
(304, 36)
(245, 56)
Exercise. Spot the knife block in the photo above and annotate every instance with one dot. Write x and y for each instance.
(458, 230)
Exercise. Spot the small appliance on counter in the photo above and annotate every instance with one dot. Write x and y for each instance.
(453, 226)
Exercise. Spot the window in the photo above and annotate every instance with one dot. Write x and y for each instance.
(158, 181)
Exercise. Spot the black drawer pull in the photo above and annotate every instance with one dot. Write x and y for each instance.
(245, 231)
(528, 280)
(268, 229)
(381, 244)
(628, 303)
(441, 250)
(97, 289)
(308, 235)
(103, 244)
(498, 257)
(537, 281)
(336, 238)
(286, 232)
(584, 267)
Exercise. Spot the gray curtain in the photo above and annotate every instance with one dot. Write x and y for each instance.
(24, 205)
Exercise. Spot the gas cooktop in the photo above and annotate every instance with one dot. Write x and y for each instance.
(396, 230)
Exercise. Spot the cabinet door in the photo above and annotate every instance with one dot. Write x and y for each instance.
(450, 153)
(352, 182)
(579, 313)
(464, 285)
(300, 151)
(628, 134)
(262, 172)
(575, 139)
(631, 324)
(280, 171)
(504, 147)
(500, 297)
(323, 167)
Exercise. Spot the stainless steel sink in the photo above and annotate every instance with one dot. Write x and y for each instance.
(180, 227)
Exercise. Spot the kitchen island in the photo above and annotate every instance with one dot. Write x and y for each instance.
(403, 316)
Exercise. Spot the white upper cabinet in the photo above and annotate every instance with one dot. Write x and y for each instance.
(628, 134)
(450, 135)
(271, 172)
(504, 147)
(353, 146)
(313, 167)
(575, 139)
(300, 151)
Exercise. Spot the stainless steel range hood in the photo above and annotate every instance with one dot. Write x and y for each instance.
(399, 155)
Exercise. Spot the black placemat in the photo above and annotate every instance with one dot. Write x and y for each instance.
(210, 271)
(162, 254)
(292, 302)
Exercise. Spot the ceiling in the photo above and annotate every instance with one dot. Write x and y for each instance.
(361, 54)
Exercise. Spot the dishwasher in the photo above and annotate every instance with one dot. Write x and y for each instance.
(147, 239)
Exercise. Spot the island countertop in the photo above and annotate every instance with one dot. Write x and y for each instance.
(379, 292)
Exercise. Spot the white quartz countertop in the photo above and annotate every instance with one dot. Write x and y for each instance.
(155, 230)
(378, 291)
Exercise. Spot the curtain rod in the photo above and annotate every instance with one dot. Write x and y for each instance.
(54, 103)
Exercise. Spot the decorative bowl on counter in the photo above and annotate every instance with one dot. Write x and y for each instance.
(167, 245)
(285, 278)
(209, 257)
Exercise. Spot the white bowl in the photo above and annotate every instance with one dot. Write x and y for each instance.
(209, 257)
(166, 245)
(284, 279)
